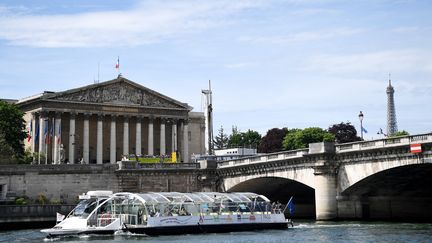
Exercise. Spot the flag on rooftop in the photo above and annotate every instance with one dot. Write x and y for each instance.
(117, 66)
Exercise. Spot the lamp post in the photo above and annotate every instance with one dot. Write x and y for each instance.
(361, 116)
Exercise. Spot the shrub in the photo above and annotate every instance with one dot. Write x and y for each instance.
(55, 201)
(42, 199)
(21, 201)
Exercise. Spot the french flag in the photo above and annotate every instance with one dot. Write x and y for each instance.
(117, 66)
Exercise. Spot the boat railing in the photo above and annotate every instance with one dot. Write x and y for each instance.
(129, 219)
(105, 219)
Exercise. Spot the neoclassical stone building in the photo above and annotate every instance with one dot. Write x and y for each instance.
(102, 122)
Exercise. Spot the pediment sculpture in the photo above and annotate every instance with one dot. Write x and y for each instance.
(118, 93)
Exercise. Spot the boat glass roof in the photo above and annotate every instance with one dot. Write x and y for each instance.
(197, 197)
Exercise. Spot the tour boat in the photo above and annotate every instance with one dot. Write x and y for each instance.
(84, 218)
(168, 213)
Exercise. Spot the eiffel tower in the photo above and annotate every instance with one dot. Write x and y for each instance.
(391, 111)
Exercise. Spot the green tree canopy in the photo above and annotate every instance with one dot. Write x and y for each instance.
(251, 138)
(236, 138)
(400, 133)
(297, 138)
(12, 132)
(344, 132)
(221, 139)
(272, 141)
(244, 139)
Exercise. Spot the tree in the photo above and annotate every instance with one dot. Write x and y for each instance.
(297, 138)
(344, 132)
(272, 141)
(236, 138)
(399, 133)
(244, 139)
(251, 139)
(12, 132)
(221, 140)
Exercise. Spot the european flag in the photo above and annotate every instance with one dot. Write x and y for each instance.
(364, 130)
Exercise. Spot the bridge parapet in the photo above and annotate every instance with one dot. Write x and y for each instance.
(264, 158)
(384, 143)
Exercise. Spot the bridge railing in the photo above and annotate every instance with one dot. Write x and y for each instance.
(264, 158)
(133, 165)
(339, 148)
(382, 143)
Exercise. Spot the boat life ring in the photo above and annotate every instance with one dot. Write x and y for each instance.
(105, 219)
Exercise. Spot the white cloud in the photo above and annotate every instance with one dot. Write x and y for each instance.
(302, 36)
(409, 60)
(148, 22)
(241, 65)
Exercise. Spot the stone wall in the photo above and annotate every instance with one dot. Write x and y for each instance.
(66, 182)
(57, 182)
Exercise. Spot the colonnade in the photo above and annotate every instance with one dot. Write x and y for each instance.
(49, 130)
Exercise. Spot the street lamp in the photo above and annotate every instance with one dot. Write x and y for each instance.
(361, 116)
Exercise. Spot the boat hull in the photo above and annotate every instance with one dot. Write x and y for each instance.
(59, 233)
(205, 228)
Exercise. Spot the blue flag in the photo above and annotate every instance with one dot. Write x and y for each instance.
(290, 206)
(364, 130)
(37, 133)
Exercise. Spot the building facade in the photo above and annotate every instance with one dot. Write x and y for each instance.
(102, 122)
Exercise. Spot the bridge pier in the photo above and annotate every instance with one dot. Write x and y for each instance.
(325, 192)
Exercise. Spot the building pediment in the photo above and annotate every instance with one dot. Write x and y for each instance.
(119, 91)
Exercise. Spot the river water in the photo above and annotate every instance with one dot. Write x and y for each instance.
(303, 231)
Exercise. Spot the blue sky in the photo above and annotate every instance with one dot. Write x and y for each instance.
(274, 63)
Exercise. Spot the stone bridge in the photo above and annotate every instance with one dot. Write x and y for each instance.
(378, 179)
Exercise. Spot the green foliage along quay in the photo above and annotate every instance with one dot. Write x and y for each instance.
(298, 138)
(12, 133)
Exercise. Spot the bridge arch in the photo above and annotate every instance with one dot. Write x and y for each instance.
(400, 192)
(352, 173)
(278, 188)
(301, 175)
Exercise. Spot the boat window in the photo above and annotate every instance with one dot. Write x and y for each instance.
(84, 207)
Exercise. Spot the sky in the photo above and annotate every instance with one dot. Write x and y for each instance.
(272, 63)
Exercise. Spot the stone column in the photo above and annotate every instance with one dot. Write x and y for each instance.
(138, 150)
(72, 138)
(42, 145)
(126, 136)
(185, 142)
(174, 136)
(325, 192)
(57, 138)
(162, 137)
(86, 140)
(150, 137)
(99, 146)
(113, 145)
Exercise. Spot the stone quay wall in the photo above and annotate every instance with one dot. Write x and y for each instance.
(65, 182)
(57, 182)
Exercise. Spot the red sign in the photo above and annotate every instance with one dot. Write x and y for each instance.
(416, 148)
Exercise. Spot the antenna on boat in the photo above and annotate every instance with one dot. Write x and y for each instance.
(208, 119)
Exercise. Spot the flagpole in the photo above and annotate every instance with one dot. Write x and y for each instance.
(46, 141)
(38, 138)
